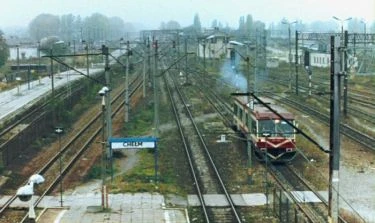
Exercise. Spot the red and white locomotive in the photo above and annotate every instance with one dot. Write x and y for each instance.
(271, 137)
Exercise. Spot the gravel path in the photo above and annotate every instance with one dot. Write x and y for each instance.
(357, 172)
(124, 164)
(357, 186)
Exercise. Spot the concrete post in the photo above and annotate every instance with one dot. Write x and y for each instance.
(334, 158)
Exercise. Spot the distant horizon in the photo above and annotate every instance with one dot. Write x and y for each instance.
(140, 26)
(151, 14)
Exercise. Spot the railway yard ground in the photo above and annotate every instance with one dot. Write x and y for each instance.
(137, 195)
(357, 170)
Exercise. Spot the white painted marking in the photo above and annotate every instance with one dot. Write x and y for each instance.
(166, 216)
(58, 218)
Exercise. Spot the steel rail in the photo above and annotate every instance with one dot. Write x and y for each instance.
(214, 168)
(52, 160)
(187, 152)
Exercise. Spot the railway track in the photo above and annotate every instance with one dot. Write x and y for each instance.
(72, 150)
(33, 114)
(350, 132)
(289, 181)
(206, 176)
(359, 101)
(288, 178)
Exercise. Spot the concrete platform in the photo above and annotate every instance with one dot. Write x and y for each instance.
(219, 200)
(18, 99)
(136, 208)
(81, 208)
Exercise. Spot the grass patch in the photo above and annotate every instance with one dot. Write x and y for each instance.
(317, 160)
(140, 122)
(141, 178)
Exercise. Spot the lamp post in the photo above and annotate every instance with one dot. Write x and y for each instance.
(342, 22)
(290, 51)
(103, 93)
(59, 131)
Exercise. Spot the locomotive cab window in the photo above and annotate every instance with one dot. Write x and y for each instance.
(275, 128)
(266, 127)
(283, 129)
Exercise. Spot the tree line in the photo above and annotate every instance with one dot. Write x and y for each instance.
(74, 28)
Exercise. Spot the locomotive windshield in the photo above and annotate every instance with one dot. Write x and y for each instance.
(275, 128)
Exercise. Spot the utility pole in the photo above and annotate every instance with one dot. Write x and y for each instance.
(334, 156)
(186, 62)
(39, 61)
(144, 74)
(290, 58)
(52, 81)
(18, 60)
(344, 68)
(256, 61)
(290, 52)
(364, 45)
(105, 51)
(178, 51)
(344, 43)
(308, 68)
(249, 125)
(87, 58)
(74, 52)
(149, 61)
(296, 62)
(204, 57)
(156, 99)
(127, 83)
(108, 128)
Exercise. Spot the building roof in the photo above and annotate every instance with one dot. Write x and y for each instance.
(262, 112)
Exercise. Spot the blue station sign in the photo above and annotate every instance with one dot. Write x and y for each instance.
(133, 143)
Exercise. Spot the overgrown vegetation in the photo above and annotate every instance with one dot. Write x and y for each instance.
(140, 123)
(141, 178)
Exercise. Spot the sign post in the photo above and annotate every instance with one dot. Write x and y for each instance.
(136, 143)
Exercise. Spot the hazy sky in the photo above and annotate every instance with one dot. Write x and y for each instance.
(152, 12)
